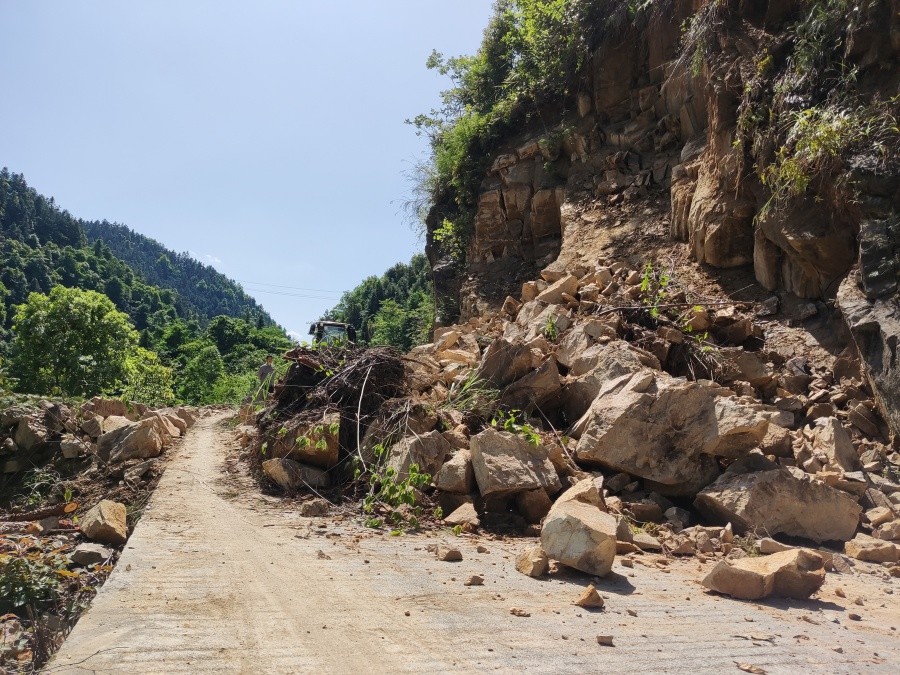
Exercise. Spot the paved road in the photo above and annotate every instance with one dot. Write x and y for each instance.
(213, 581)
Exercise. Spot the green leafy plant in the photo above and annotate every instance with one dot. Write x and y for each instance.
(816, 137)
(26, 581)
(513, 422)
(551, 330)
(654, 288)
(453, 239)
(394, 494)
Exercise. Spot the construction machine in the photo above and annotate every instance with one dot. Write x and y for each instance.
(332, 331)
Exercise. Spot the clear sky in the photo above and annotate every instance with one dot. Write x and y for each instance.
(266, 137)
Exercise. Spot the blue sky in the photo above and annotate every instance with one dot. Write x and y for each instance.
(265, 137)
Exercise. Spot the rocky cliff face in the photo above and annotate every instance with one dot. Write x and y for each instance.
(724, 133)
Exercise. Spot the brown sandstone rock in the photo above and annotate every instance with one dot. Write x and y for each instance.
(797, 573)
(105, 523)
(291, 476)
(590, 598)
(666, 430)
(868, 549)
(532, 562)
(427, 450)
(456, 475)
(507, 463)
(581, 536)
(775, 501)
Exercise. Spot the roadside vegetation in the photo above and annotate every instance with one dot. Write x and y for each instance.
(77, 321)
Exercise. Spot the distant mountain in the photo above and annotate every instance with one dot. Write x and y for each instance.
(202, 291)
(41, 245)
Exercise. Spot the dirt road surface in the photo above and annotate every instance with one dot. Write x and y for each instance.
(217, 579)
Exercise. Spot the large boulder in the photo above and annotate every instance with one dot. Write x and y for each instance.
(136, 440)
(581, 536)
(114, 422)
(506, 463)
(164, 426)
(31, 434)
(503, 362)
(107, 407)
(795, 573)
(875, 326)
(292, 476)
(868, 549)
(776, 501)
(456, 475)
(552, 295)
(316, 443)
(832, 440)
(428, 451)
(666, 430)
(538, 389)
(587, 490)
(591, 369)
(106, 523)
(189, 418)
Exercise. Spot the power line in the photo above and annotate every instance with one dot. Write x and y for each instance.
(293, 295)
(293, 288)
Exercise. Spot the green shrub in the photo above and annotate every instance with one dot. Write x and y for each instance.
(25, 581)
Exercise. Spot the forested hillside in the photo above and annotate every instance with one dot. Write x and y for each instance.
(41, 246)
(202, 291)
(178, 330)
(396, 308)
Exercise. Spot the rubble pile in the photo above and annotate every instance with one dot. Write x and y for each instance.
(319, 412)
(60, 534)
(611, 419)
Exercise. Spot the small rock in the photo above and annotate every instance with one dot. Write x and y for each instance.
(768, 546)
(314, 507)
(106, 523)
(532, 562)
(590, 598)
(89, 554)
(605, 640)
(516, 611)
(446, 554)
(464, 515)
(853, 616)
(647, 542)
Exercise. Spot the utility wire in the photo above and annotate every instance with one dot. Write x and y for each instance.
(293, 288)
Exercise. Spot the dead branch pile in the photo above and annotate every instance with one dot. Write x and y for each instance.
(324, 404)
(340, 376)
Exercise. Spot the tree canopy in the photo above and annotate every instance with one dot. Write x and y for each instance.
(71, 341)
(395, 309)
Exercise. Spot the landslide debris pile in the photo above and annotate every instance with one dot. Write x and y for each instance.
(319, 411)
(73, 482)
(613, 412)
